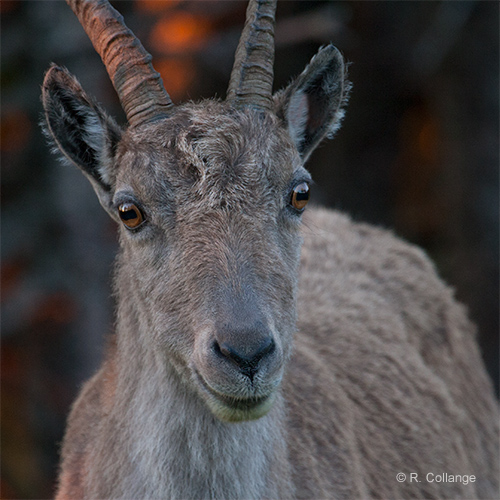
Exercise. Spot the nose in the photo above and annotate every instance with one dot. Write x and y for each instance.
(245, 347)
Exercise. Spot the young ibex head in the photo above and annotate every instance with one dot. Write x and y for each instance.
(209, 197)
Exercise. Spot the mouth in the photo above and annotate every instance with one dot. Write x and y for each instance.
(232, 408)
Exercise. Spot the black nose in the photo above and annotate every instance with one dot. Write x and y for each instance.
(245, 349)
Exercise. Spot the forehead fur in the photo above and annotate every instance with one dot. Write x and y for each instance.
(213, 149)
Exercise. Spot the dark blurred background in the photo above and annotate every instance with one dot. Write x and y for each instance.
(418, 153)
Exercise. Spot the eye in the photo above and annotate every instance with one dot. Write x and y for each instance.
(300, 196)
(130, 215)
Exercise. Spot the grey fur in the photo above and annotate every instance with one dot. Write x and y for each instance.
(374, 368)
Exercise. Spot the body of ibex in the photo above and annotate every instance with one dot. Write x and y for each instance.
(242, 368)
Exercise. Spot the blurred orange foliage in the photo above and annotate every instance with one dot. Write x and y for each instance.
(177, 74)
(179, 32)
(15, 130)
(11, 274)
(429, 140)
(9, 5)
(419, 207)
(55, 309)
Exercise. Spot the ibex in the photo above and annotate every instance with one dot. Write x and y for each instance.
(260, 351)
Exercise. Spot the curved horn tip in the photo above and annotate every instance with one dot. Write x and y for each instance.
(251, 79)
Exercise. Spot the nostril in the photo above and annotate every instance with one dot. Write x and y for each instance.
(246, 359)
(224, 351)
(228, 352)
(268, 347)
(216, 348)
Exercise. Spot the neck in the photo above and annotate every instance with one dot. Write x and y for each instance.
(177, 448)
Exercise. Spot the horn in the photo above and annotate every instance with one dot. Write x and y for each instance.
(251, 81)
(139, 87)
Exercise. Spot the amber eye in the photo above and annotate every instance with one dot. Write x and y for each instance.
(130, 215)
(300, 196)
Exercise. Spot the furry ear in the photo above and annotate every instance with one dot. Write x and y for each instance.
(81, 130)
(312, 106)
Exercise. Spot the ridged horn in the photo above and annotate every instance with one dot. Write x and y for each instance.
(139, 87)
(251, 81)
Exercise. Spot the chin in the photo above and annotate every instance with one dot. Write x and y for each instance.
(229, 409)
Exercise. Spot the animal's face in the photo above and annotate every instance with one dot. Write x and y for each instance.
(211, 201)
(209, 198)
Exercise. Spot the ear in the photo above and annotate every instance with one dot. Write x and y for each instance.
(81, 130)
(312, 105)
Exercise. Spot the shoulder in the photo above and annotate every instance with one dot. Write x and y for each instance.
(341, 241)
(381, 339)
(362, 281)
